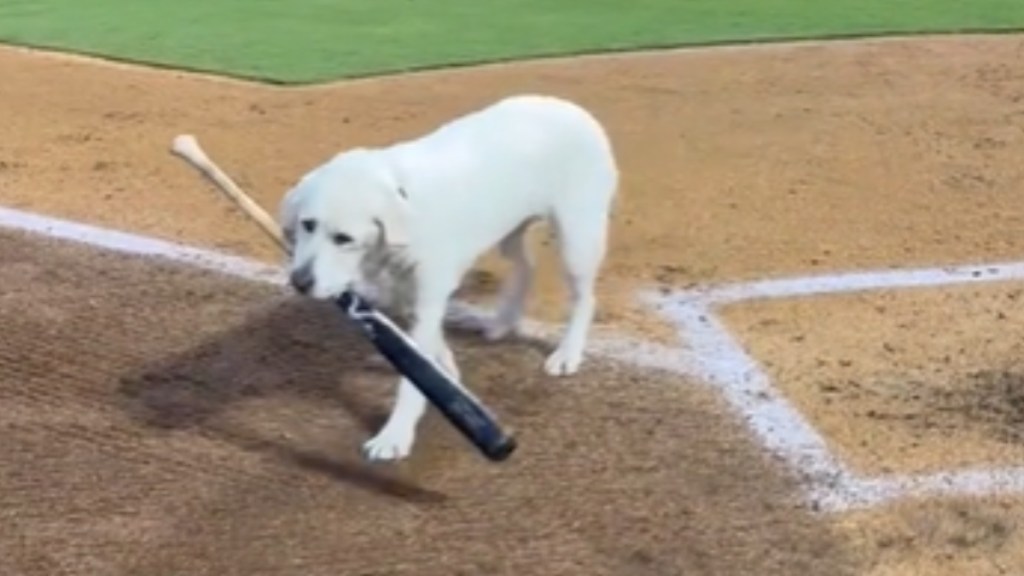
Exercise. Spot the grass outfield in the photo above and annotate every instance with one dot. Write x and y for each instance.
(315, 40)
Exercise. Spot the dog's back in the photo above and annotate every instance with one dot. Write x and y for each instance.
(527, 155)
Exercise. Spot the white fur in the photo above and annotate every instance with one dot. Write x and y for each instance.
(420, 213)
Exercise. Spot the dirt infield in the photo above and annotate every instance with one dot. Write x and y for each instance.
(217, 433)
(955, 536)
(159, 420)
(737, 163)
(915, 381)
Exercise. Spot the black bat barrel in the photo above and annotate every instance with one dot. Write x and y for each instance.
(455, 402)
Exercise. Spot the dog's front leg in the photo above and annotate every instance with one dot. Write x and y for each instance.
(396, 437)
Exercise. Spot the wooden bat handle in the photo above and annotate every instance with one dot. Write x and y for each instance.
(186, 146)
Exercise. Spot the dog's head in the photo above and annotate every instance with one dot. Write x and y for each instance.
(336, 216)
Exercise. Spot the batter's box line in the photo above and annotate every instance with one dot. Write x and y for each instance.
(724, 363)
(631, 351)
(714, 356)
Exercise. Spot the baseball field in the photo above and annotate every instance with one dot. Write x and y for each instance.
(800, 365)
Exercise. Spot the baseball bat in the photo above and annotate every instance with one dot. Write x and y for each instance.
(455, 402)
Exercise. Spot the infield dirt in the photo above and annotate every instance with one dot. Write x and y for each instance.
(212, 434)
(159, 420)
(910, 382)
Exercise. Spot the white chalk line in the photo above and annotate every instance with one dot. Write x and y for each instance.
(113, 240)
(848, 282)
(723, 362)
(634, 351)
(714, 356)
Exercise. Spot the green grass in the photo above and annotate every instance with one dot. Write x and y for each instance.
(299, 41)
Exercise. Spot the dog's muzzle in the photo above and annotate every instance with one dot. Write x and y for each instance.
(302, 279)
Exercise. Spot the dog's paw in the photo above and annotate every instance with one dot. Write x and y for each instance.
(563, 362)
(389, 444)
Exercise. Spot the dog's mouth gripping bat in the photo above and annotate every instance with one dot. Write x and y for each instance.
(458, 405)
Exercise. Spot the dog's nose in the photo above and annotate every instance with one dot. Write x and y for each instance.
(302, 280)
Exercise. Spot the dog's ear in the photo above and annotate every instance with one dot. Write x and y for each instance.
(393, 220)
(288, 210)
(288, 215)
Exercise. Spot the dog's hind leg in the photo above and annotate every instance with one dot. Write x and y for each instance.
(583, 245)
(511, 304)
(515, 288)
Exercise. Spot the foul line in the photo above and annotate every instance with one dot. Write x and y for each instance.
(712, 354)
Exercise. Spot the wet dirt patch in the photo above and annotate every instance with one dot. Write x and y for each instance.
(990, 398)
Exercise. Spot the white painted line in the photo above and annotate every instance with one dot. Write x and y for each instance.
(780, 427)
(984, 482)
(866, 492)
(138, 245)
(845, 283)
(724, 363)
(636, 352)
(713, 355)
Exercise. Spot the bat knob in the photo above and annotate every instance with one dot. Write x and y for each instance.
(501, 449)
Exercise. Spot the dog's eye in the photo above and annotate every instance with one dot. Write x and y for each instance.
(341, 239)
(309, 226)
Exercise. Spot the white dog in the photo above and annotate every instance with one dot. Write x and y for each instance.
(402, 225)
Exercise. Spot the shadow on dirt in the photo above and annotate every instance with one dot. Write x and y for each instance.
(298, 348)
